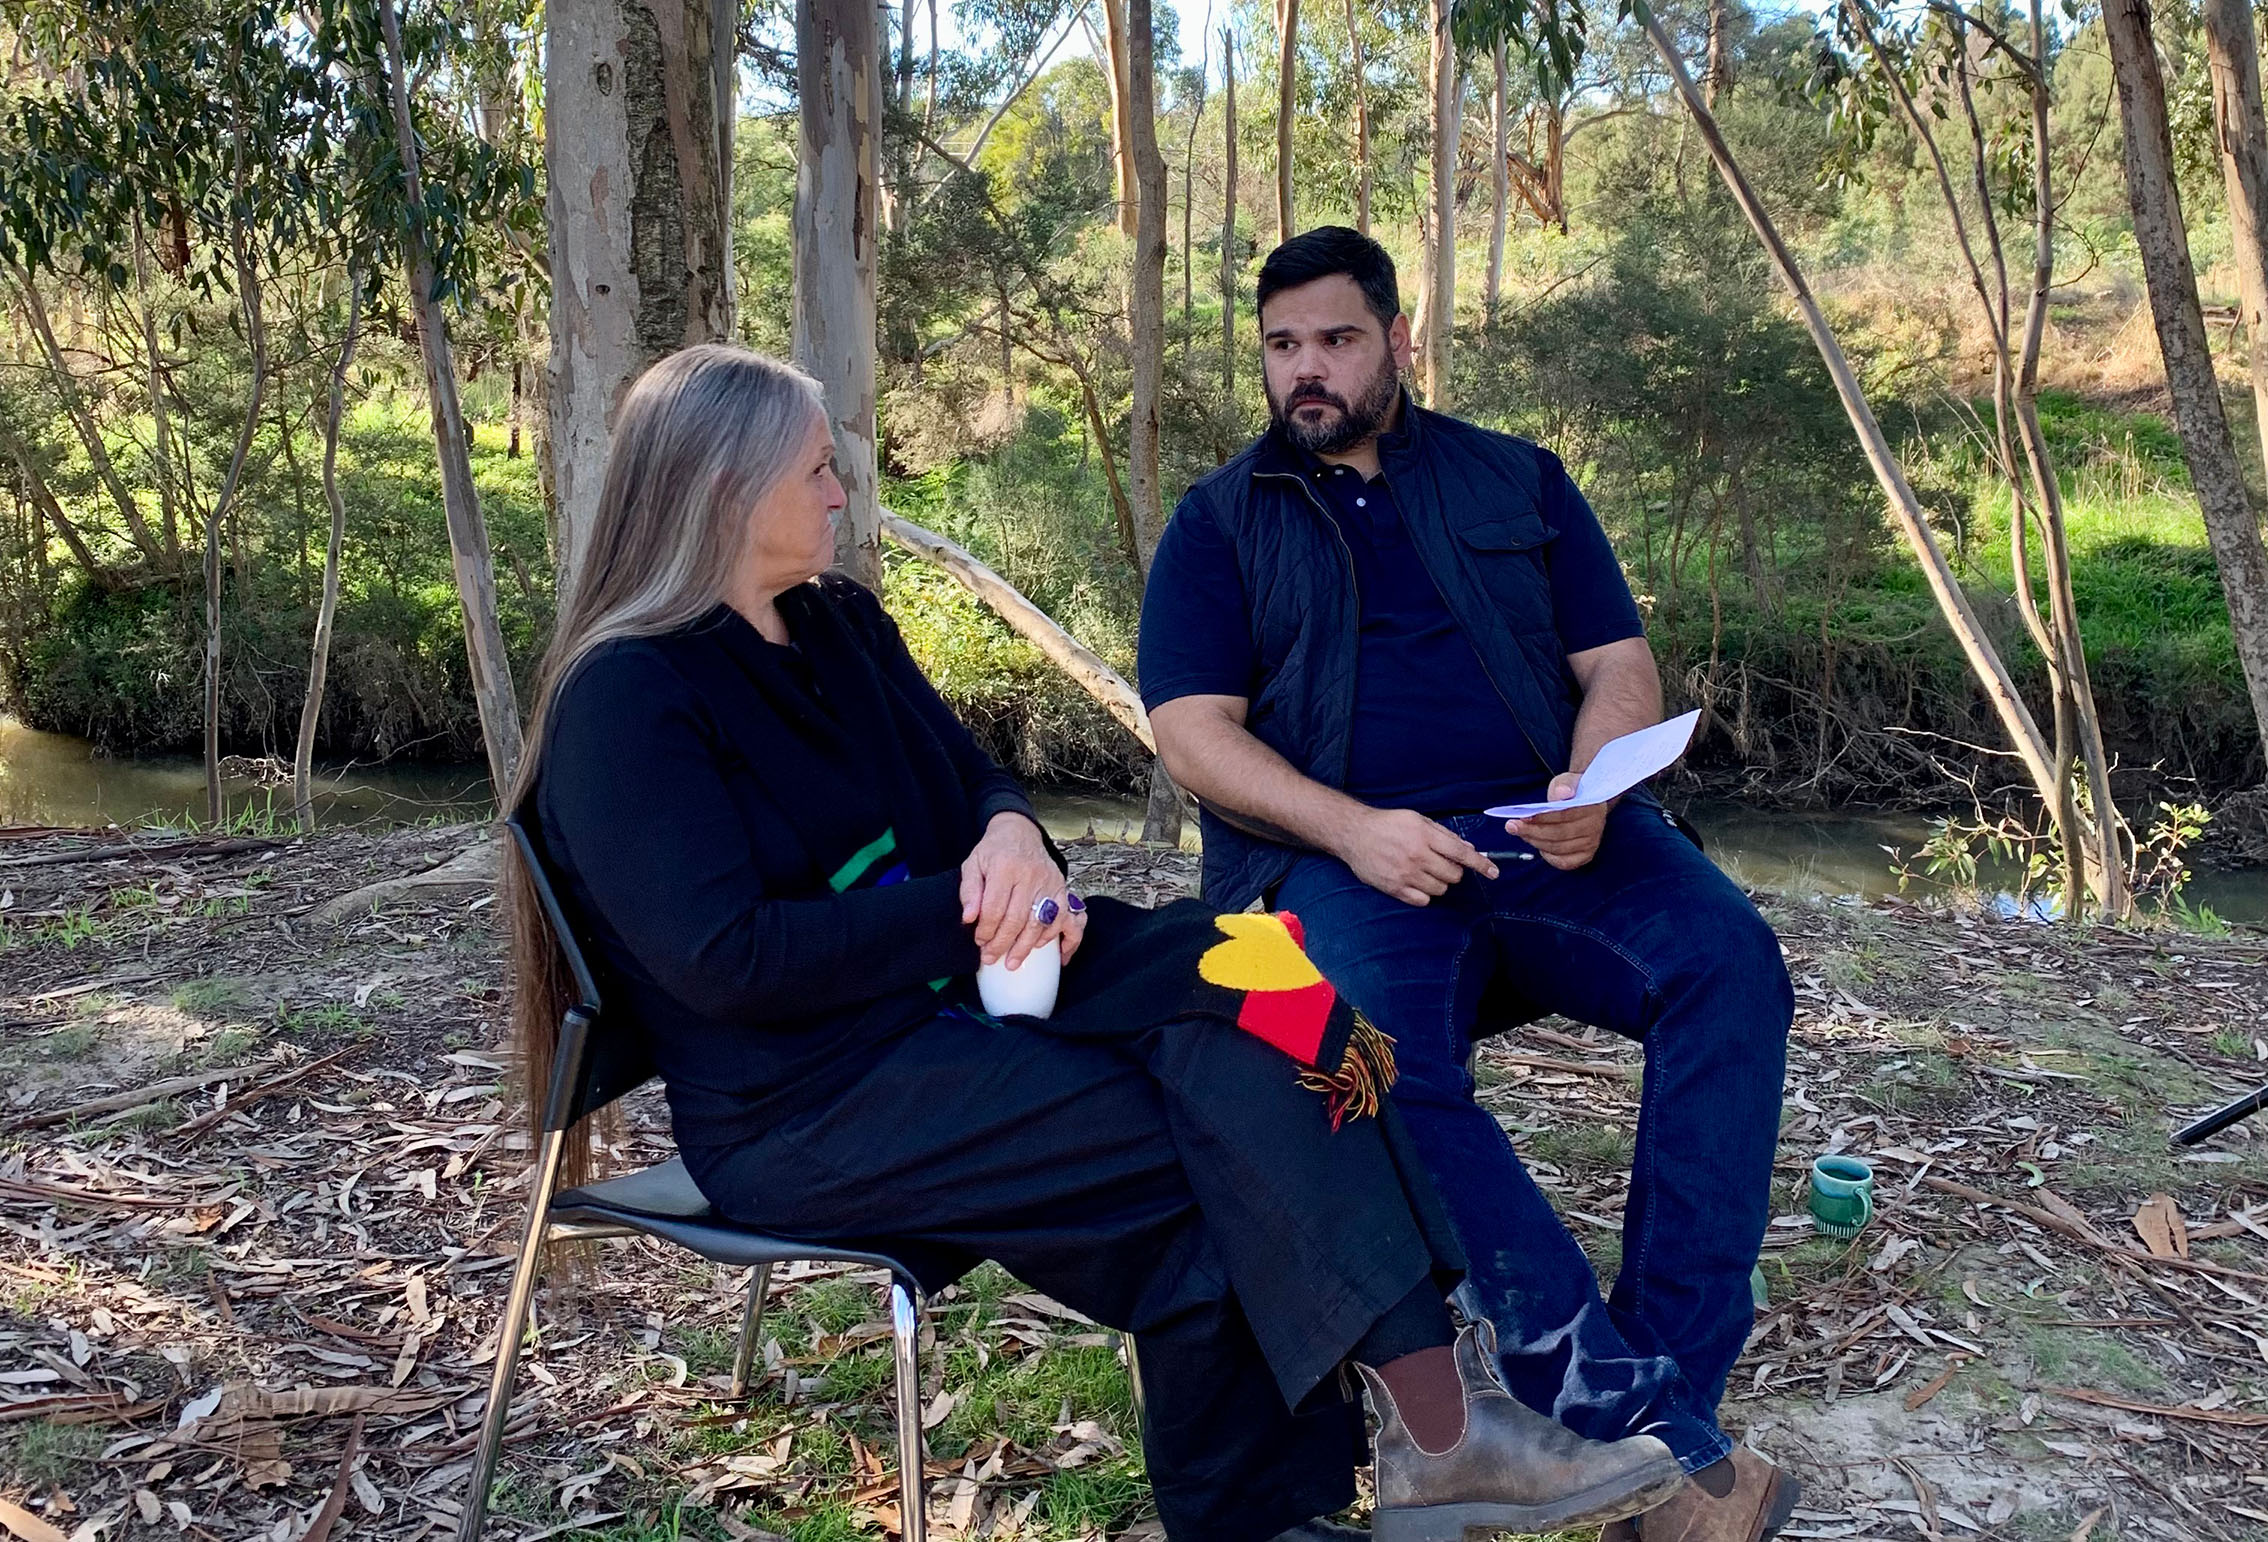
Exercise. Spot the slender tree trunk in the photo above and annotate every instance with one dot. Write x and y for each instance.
(839, 80)
(1189, 202)
(1361, 121)
(319, 660)
(1121, 111)
(1287, 80)
(637, 157)
(460, 500)
(161, 429)
(2230, 524)
(2233, 55)
(1500, 179)
(1147, 325)
(1448, 116)
(224, 504)
(1228, 215)
(1146, 312)
(1984, 659)
(1716, 74)
(44, 504)
(82, 421)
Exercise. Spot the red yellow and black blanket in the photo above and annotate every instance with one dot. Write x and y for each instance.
(1138, 968)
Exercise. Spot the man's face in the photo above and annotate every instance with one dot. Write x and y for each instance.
(1333, 374)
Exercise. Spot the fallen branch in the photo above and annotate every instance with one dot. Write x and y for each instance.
(2078, 1232)
(1605, 1069)
(334, 1503)
(1073, 657)
(153, 1093)
(196, 848)
(2229, 1416)
(254, 1094)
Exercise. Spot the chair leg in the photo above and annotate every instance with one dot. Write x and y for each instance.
(905, 1330)
(524, 1277)
(751, 1323)
(1134, 1382)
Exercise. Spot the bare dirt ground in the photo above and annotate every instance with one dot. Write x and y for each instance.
(261, 1179)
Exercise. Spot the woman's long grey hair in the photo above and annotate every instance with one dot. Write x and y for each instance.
(699, 440)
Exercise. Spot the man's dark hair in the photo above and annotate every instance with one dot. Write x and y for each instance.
(1329, 249)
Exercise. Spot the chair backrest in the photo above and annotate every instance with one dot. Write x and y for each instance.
(597, 1060)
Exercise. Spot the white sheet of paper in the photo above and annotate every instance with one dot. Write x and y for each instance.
(1620, 765)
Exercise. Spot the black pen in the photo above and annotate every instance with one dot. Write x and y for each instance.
(1509, 856)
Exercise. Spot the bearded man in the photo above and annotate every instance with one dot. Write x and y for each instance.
(1368, 627)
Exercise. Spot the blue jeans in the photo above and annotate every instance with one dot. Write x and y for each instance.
(1650, 941)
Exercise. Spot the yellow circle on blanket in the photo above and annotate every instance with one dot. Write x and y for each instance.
(1260, 955)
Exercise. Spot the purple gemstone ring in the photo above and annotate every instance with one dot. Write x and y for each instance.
(1045, 910)
(1078, 905)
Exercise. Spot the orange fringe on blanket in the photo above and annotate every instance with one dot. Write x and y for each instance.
(1359, 1087)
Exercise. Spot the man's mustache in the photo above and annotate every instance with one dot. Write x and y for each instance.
(1314, 393)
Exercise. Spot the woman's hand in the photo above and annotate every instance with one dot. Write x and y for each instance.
(1003, 881)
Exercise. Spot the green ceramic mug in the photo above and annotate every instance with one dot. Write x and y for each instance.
(1842, 1195)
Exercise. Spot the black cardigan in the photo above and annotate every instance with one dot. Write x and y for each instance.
(764, 844)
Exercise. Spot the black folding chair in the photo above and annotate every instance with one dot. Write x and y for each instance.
(595, 1065)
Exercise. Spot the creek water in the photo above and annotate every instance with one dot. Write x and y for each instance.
(52, 779)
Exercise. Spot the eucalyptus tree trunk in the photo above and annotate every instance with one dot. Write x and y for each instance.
(319, 662)
(1441, 300)
(1716, 74)
(1287, 78)
(1228, 214)
(2232, 51)
(1361, 121)
(1146, 322)
(839, 83)
(1905, 508)
(161, 427)
(1500, 179)
(2231, 526)
(1115, 43)
(638, 114)
(224, 503)
(460, 499)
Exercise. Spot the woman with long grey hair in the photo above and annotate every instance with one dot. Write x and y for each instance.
(787, 859)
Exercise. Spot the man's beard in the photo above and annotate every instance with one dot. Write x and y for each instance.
(1357, 420)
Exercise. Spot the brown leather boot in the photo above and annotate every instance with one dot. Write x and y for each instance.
(1511, 1470)
(1752, 1510)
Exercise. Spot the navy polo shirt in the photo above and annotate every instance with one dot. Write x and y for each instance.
(1430, 731)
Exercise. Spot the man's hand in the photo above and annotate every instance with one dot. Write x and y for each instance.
(1569, 839)
(1401, 853)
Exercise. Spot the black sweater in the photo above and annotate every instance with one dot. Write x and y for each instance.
(762, 845)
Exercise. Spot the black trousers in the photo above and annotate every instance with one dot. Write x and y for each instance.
(1174, 1182)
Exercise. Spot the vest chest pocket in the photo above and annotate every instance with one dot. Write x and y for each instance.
(1506, 554)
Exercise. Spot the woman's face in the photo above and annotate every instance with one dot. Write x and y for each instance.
(792, 534)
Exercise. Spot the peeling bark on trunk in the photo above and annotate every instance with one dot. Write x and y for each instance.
(1716, 74)
(1115, 45)
(638, 119)
(319, 660)
(460, 500)
(840, 88)
(2231, 526)
(1287, 79)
